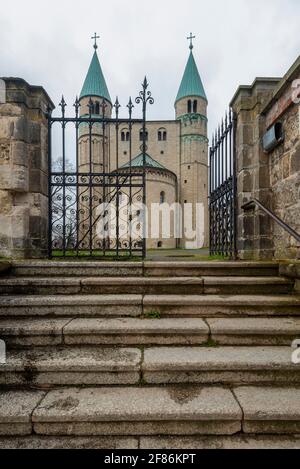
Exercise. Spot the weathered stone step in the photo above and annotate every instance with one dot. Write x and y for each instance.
(238, 442)
(145, 285)
(167, 417)
(72, 366)
(270, 410)
(78, 268)
(208, 269)
(103, 285)
(222, 305)
(226, 365)
(254, 331)
(247, 285)
(165, 305)
(71, 305)
(87, 331)
(81, 268)
(60, 366)
(138, 411)
(35, 332)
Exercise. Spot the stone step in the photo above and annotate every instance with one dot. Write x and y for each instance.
(237, 442)
(222, 305)
(59, 366)
(71, 268)
(254, 331)
(90, 331)
(226, 365)
(41, 331)
(145, 285)
(127, 412)
(184, 417)
(270, 410)
(61, 268)
(247, 285)
(135, 305)
(72, 366)
(212, 268)
(104, 285)
(71, 305)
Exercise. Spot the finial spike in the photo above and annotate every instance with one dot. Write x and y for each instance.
(190, 38)
(95, 37)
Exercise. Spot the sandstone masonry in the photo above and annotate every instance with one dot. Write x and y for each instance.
(23, 170)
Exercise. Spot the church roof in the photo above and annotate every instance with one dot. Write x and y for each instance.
(95, 84)
(191, 83)
(137, 162)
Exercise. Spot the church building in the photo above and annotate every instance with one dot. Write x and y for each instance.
(177, 151)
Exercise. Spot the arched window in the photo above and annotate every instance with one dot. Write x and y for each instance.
(142, 135)
(162, 135)
(125, 135)
(162, 197)
(97, 108)
(159, 244)
(195, 106)
(189, 106)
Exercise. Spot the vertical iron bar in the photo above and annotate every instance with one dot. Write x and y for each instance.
(64, 176)
(234, 191)
(117, 106)
(49, 184)
(130, 218)
(77, 176)
(90, 237)
(104, 177)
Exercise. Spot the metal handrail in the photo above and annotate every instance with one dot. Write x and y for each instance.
(251, 206)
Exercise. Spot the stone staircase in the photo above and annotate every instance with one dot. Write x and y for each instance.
(149, 355)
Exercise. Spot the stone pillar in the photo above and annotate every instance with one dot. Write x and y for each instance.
(23, 169)
(253, 179)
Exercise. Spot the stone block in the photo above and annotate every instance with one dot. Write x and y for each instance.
(270, 410)
(16, 408)
(136, 411)
(295, 161)
(19, 153)
(6, 127)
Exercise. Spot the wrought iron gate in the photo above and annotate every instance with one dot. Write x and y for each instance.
(223, 189)
(96, 205)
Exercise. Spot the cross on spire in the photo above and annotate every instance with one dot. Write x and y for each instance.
(95, 37)
(190, 38)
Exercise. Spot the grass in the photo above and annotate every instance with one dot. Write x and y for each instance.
(153, 315)
(83, 255)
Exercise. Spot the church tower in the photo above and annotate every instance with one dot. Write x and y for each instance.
(93, 152)
(191, 111)
(94, 157)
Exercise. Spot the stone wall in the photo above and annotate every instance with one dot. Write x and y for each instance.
(23, 170)
(272, 178)
(284, 164)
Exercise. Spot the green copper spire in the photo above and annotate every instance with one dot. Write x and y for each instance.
(191, 83)
(95, 84)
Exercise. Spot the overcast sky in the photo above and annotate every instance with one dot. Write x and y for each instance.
(48, 44)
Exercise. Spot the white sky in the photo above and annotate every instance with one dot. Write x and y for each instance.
(48, 44)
